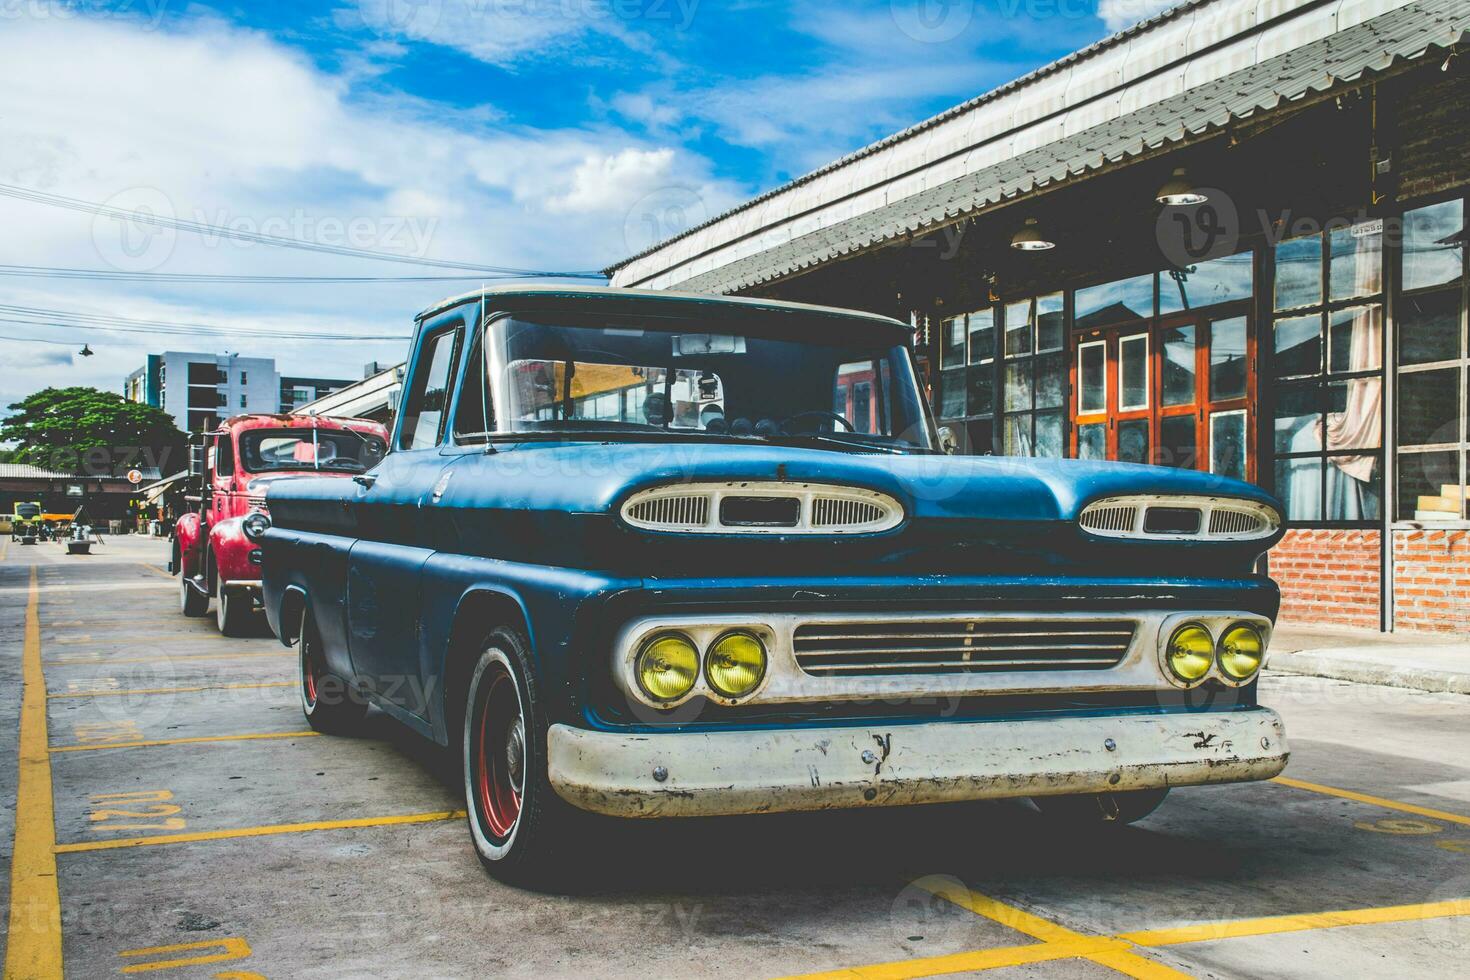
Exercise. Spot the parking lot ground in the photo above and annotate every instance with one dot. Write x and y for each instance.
(174, 817)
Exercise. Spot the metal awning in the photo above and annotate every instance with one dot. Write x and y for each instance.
(806, 224)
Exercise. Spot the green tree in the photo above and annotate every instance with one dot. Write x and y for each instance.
(86, 430)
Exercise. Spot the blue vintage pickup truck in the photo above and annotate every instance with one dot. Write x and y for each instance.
(645, 554)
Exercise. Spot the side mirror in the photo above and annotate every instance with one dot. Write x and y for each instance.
(949, 440)
(196, 457)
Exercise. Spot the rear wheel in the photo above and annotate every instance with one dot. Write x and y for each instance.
(519, 826)
(329, 705)
(1101, 809)
(192, 602)
(234, 612)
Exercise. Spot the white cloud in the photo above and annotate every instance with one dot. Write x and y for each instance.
(1119, 14)
(224, 124)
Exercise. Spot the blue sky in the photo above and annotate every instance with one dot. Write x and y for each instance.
(552, 134)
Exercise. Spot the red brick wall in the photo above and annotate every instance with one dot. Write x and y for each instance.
(1328, 577)
(1431, 583)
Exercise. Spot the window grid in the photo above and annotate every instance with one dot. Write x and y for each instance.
(1440, 463)
(1313, 386)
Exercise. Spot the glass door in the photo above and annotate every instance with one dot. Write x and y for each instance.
(1172, 392)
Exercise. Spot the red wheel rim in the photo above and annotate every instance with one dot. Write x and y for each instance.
(308, 673)
(500, 754)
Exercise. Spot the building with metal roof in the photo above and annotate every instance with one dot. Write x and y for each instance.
(1230, 238)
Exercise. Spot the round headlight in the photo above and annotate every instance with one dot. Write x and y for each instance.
(256, 525)
(1241, 651)
(736, 664)
(667, 667)
(1191, 653)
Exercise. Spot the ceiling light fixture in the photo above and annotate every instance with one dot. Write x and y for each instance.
(1178, 191)
(1030, 238)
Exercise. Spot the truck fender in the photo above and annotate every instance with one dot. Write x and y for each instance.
(189, 545)
(230, 552)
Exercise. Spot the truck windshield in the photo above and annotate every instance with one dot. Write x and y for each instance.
(853, 385)
(264, 450)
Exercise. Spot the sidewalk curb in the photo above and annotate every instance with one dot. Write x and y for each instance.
(1342, 665)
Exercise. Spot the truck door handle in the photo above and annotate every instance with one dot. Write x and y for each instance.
(365, 480)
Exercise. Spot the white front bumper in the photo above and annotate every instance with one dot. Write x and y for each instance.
(730, 772)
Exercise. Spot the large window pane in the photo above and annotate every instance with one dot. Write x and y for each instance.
(1018, 328)
(1133, 373)
(1357, 261)
(1354, 489)
(1177, 442)
(1092, 441)
(1092, 367)
(981, 399)
(982, 336)
(1114, 302)
(1018, 386)
(1178, 366)
(1018, 435)
(1051, 380)
(1297, 421)
(1050, 324)
(1355, 339)
(1227, 358)
(1299, 272)
(1429, 327)
(1355, 414)
(1133, 441)
(1428, 259)
(1049, 442)
(1429, 487)
(1299, 487)
(1429, 407)
(952, 394)
(1227, 444)
(1221, 280)
(1298, 345)
(952, 342)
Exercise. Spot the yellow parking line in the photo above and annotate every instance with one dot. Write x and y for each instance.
(266, 831)
(154, 569)
(178, 741)
(169, 690)
(1347, 794)
(1207, 931)
(34, 946)
(1121, 960)
(99, 662)
(985, 959)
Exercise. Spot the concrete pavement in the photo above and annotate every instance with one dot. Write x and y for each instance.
(1433, 662)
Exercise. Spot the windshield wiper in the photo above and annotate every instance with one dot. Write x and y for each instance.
(837, 442)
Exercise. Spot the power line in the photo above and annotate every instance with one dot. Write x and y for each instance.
(107, 323)
(202, 228)
(112, 275)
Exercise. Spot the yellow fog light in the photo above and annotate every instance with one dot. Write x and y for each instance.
(1241, 651)
(1191, 653)
(736, 664)
(667, 667)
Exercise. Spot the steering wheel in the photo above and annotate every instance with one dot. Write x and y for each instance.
(785, 426)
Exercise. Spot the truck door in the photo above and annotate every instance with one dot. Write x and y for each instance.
(386, 562)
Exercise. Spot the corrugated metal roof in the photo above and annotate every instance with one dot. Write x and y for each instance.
(25, 471)
(963, 179)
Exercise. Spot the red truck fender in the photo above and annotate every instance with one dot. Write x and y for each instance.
(189, 545)
(231, 551)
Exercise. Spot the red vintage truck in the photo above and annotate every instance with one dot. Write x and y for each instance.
(211, 554)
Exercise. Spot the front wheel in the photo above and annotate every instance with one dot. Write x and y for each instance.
(518, 824)
(192, 602)
(1097, 810)
(234, 612)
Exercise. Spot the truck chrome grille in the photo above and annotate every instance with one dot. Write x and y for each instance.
(1187, 518)
(886, 647)
(753, 507)
(687, 510)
